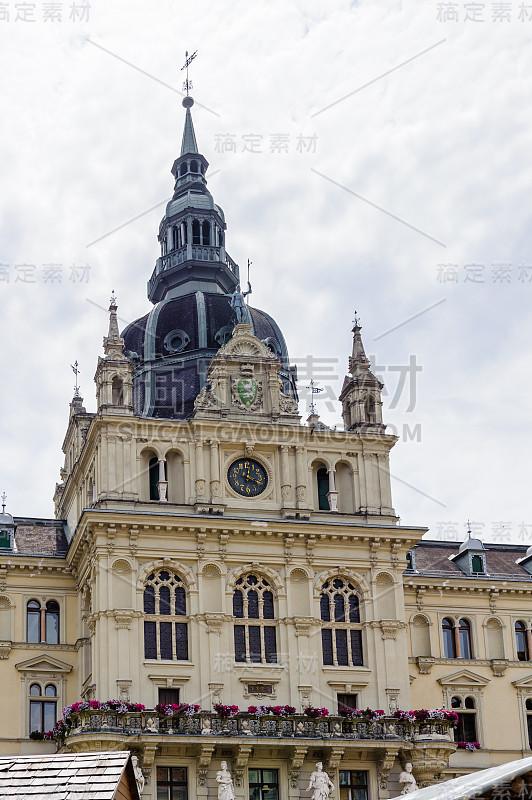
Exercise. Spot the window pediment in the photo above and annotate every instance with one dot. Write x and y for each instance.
(464, 677)
(43, 663)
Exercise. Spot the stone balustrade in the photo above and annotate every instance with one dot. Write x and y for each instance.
(245, 724)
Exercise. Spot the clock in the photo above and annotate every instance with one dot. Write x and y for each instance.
(247, 477)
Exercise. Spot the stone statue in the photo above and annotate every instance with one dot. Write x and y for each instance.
(239, 306)
(139, 777)
(408, 780)
(225, 783)
(206, 726)
(320, 783)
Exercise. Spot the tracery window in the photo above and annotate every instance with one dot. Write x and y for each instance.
(255, 640)
(42, 622)
(165, 605)
(43, 708)
(341, 637)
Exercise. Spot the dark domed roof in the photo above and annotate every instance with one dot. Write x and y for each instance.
(173, 344)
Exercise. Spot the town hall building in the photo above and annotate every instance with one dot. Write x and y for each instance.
(236, 579)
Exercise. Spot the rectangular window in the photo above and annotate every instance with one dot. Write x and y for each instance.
(181, 637)
(353, 784)
(172, 783)
(467, 729)
(341, 648)
(240, 643)
(255, 655)
(263, 784)
(34, 627)
(347, 701)
(169, 696)
(529, 727)
(356, 648)
(165, 630)
(326, 644)
(270, 645)
(43, 715)
(150, 640)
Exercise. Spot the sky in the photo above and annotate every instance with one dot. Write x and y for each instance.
(369, 157)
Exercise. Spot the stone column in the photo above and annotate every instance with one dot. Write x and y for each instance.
(301, 473)
(169, 237)
(162, 483)
(286, 487)
(216, 489)
(332, 494)
(201, 488)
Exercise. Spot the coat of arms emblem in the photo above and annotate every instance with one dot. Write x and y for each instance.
(247, 391)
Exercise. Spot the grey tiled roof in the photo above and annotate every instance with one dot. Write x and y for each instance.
(64, 776)
(432, 559)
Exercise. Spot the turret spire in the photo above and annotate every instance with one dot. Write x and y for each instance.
(189, 144)
(361, 392)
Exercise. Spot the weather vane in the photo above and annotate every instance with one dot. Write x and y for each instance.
(187, 85)
(356, 320)
(4, 498)
(313, 390)
(76, 371)
(113, 298)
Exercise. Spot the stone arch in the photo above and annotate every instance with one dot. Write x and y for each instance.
(385, 596)
(345, 486)
(121, 565)
(494, 637)
(175, 475)
(184, 572)
(353, 577)
(420, 635)
(272, 575)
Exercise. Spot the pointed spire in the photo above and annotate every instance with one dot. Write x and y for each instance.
(189, 144)
(358, 361)
(113, 345)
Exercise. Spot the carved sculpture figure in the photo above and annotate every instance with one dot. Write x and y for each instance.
(239, 306)
(225, 783)
(408, 780)
(320, 783)
(139, 777)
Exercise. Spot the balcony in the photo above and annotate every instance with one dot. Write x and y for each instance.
(245, 725)
(201, 254)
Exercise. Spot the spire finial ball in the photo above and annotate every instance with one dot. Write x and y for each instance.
(188, 101)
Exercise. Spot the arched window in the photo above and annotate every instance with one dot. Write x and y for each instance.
(521, 642)
(43, 710)
(175, 238)
(323, 489)
(449, 642)
(369, 408)
(33, 621)
(255, 640)
(464, 635)
(341, 637)
(183, 168)
(154, 479)
(42, 623)
(118, 391)
(165, 604)
(196, 238)
(205, 232)
(194, 166)
(52, 622)
(466, 730)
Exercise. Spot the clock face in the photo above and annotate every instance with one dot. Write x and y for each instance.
(247, 477)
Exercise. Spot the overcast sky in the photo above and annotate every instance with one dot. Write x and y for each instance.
(393, 176)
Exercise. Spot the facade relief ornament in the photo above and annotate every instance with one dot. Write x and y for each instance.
(205, 400)
(246, 393)
(287, 405)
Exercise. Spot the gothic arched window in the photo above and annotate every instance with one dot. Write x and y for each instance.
(165, 605)
(255, 639)
(341, 635)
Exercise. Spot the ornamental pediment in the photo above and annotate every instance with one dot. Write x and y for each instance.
(464, 677)
(43, 663)
(523, 683)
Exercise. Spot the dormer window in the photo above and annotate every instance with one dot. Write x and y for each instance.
(477, 564)
(5, 540)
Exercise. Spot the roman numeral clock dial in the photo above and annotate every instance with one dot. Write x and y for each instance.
(247, 477)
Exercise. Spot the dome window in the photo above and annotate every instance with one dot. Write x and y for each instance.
(175, 341)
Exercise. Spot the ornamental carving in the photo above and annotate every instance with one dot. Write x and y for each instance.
(246, 393)
(205, 400)
(287, 404)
